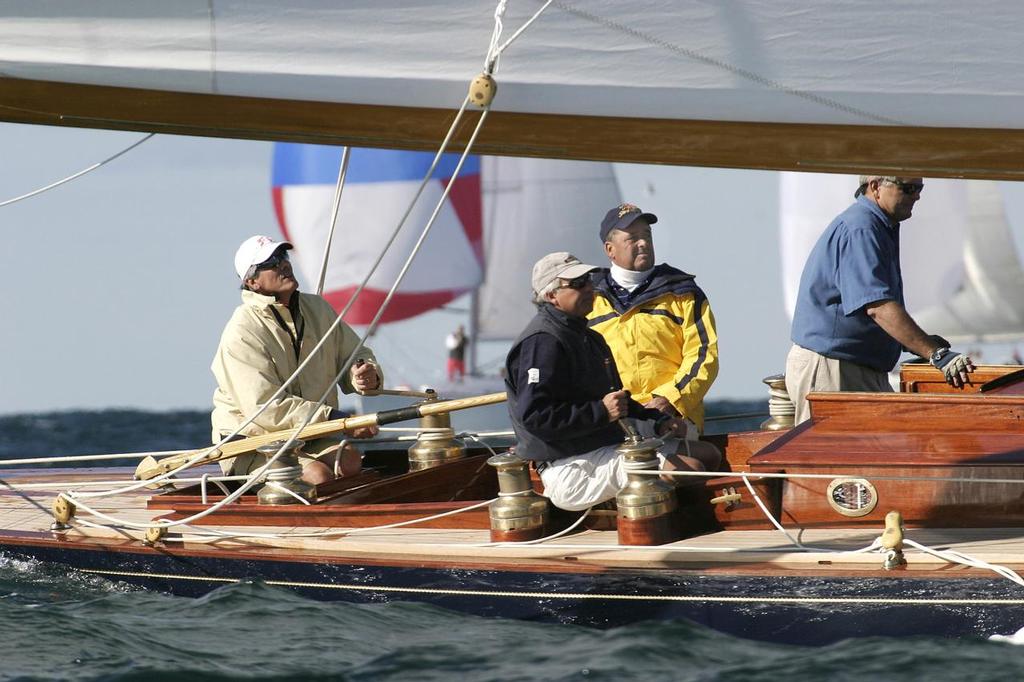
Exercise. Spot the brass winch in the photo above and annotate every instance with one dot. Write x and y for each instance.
(436, 446)
(284, 483)
(646, 504)
(519, 513)
(780, 407)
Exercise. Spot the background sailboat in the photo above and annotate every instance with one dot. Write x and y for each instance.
(379, 185)
(501, 216)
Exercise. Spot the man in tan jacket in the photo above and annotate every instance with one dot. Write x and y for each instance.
(269, 335)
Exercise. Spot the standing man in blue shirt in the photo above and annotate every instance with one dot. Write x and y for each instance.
(850, 324)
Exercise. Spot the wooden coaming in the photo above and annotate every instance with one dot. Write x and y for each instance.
(936, 436)
(926, 151)
(920, 377)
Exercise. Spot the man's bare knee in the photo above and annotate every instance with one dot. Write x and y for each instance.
(315, 473)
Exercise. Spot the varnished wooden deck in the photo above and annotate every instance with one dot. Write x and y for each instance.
(26, 514)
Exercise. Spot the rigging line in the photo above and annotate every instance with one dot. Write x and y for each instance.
(419, 242)
(79, 173)
(725, 66)
(491, 59)
(405, 216)
(504, 46)
(212, 17)
(339, 186)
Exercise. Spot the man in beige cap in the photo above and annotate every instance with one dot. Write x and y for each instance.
(564, 396)
(269, 335)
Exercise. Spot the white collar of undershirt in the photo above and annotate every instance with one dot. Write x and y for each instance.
(629, 279)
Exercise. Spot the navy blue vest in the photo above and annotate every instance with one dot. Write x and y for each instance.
(586, 372)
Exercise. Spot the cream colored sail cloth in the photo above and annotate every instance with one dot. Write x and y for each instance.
(944, 63)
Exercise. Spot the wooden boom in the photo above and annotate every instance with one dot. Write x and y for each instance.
(151, 467)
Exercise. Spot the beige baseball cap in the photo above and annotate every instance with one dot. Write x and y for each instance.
(560, 264)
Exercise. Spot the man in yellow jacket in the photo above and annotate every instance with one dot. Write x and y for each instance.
(656, 320)
(269, 335)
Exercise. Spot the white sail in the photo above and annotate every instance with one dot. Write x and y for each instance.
(961, 270)
(533, 207)
(989, 306)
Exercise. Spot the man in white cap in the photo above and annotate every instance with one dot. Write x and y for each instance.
(564, 396)
(269, 335)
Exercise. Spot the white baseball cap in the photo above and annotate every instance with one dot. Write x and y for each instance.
(254, 251)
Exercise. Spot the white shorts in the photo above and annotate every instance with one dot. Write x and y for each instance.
(579, 482)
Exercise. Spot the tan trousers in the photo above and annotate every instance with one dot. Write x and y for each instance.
(808, 371)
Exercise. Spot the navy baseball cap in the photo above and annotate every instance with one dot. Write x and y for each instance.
(620, 217)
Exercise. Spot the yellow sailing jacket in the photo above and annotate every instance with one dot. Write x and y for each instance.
(663, 338)
(257, 354)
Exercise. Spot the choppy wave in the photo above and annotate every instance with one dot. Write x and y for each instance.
(59, 627)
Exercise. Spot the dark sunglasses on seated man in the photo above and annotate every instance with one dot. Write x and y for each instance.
(280, 256)
(577, 283)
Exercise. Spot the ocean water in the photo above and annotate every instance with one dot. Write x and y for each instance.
(60, 625)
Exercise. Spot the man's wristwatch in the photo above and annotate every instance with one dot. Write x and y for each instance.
(937, 355)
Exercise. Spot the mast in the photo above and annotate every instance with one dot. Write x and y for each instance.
(471, 355)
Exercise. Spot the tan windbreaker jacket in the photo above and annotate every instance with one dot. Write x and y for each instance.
(256, 356)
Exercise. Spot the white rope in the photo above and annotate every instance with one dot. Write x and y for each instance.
(768, 514)
(372, 327)
(79, 174)
(504, 46)
(78, 484)
(491, 59)
(955, 557)
(88, 458)
(339, 186)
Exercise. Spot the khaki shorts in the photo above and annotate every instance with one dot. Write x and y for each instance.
(808, 371)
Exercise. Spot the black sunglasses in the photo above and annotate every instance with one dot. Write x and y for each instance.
(274, 261)
(907, 187)
(578, 283)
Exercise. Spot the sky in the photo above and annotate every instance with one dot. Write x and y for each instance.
(121, 281)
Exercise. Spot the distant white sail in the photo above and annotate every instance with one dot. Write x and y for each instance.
(990, 304)
(532, 207)
(932, 241)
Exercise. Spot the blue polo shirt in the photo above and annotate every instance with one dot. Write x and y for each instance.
(855, 262)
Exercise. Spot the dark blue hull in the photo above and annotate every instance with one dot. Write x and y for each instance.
(796, 610)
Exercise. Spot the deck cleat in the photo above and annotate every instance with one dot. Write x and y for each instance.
(646, 504)
(892, 541)
(154, 534)
(63, 511)
(284, 477)
(519, 513)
